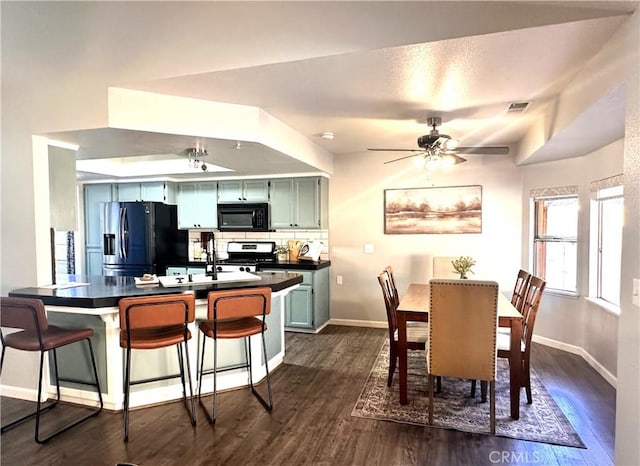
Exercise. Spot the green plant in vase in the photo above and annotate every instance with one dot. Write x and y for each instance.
(282, 253)
(462, 265)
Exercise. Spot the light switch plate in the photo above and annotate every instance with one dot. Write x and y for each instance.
(636, 292)
(368, 248)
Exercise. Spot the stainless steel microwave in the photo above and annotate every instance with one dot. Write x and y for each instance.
(243, 217)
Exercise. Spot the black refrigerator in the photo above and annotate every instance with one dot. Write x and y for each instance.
(141, 237)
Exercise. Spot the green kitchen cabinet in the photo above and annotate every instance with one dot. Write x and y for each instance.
(243, 191)
(94, 196)
(197, 205)
(185, 270)
(299, 203)
(159, 191)
(307, 306)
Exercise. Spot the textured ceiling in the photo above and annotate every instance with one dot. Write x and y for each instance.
(370, 72)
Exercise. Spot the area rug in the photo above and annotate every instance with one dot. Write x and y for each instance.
(542, 421)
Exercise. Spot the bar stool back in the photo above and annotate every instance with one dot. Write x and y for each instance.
(238, 313)
(154, 322)
(36, 334)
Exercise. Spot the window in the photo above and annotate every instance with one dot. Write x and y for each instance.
(555, 241)
(607, 218)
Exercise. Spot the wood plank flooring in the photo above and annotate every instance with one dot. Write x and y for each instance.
(314, 392)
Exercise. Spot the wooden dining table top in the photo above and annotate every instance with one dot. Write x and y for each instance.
(416, 300)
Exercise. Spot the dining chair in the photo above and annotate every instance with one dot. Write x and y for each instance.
(463, 319)
(35, 334)
(517, 299)
(442, 267)
(154, 322)
(234, 314)
(417, 332)
(529, 311)
(520, 288)
(392, 280)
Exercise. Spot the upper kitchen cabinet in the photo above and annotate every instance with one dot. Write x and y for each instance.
(299, 203)
(197, 205)
(160, 191)
(243, 191)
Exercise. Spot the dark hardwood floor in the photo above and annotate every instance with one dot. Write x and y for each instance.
(311, 423)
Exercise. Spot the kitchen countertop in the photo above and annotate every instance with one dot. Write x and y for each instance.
(105, 291)
(284, 265)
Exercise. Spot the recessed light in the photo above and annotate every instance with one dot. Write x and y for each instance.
(327, 135)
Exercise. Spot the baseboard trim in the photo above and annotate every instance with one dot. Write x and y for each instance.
(599, 368)
(358, 323)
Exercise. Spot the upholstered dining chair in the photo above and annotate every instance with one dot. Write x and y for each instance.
(463, 319)
(442, 267)
(529, 311)
(233, 314)
(35, 334)
(154, 322)
(417, 332)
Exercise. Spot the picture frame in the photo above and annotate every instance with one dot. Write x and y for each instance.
(437, 210)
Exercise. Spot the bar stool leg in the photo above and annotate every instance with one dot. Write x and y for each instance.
(127, 387)
(215, 378)
(191, 400)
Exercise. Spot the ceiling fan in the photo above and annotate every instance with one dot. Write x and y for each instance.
(439, 149)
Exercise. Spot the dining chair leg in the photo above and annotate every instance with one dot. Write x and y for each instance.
(393, 358)
(473, 389)
(483, 391)
(430, 383)
(526, 378)
(492, 405)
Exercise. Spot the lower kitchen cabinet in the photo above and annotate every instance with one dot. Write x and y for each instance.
(182, 270)
(307, 307)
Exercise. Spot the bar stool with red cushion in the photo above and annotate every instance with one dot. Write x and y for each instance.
(154, 322)
(238, 313)
(37, 335)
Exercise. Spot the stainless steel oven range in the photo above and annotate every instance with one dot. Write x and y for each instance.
(243, 256)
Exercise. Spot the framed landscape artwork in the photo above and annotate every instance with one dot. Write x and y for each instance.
(453, 209)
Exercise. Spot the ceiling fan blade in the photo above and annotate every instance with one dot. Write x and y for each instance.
(487, 150)
(405, 157)
(400, 150)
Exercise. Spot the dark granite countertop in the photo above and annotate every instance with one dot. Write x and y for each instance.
(283, 265)
(103, 291)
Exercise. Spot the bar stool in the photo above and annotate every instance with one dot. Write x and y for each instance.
(234, 314)
(154, 322)
(37, 335)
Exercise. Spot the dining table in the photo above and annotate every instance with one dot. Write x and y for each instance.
(414, 306)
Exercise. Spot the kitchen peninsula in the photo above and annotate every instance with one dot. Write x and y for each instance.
(92, 302)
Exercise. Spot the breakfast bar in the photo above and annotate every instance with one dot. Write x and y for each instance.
(78, 301)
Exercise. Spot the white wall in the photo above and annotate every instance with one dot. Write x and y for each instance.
(356, 217)
(569, 320)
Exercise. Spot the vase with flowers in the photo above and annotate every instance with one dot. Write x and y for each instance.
(462, 265)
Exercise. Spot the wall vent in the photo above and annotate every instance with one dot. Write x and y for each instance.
(518, 107)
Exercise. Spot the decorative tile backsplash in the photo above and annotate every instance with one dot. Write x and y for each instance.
(281, 237)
